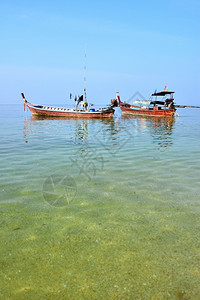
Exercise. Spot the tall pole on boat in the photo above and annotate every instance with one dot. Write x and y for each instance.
(85, 76)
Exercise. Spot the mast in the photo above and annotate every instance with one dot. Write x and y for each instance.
(85, 77)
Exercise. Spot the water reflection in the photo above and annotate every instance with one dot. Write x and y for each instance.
(162, 132)
(160, 129)
(26, 130)
(109, 133)
(76, 130)
(81, 130)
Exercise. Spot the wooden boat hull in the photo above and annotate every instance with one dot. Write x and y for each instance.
(132, 110)
(47, 111)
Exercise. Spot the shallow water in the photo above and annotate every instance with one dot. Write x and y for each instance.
(99, 209)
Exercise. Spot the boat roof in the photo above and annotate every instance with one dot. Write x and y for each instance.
(162, 93)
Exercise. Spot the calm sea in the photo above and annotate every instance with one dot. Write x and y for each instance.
(99, 209)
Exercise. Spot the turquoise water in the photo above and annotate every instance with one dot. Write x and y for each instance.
(99, 209)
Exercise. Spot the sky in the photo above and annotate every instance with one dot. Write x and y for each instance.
(131, 46)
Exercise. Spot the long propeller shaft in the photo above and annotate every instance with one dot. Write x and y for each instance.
(183, 106)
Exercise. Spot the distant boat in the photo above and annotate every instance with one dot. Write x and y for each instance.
(152, 107)
(52, 111)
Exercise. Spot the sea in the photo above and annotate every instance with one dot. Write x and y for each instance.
(99, 209)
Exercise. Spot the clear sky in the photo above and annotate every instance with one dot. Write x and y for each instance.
(131, 46)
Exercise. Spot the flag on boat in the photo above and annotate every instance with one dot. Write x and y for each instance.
(165, 87)
(155, 91)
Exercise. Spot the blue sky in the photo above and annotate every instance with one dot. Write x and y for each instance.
(131, 46)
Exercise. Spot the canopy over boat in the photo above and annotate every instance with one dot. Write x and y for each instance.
(162, 93)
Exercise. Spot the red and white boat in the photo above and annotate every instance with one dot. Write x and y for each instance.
(152, 107)
(52, 111)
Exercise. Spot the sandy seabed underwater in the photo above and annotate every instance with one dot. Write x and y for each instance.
(99, 209)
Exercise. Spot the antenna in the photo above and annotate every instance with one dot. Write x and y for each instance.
(85, 76)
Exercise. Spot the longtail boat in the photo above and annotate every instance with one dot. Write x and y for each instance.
(152, 107)
(52, 111)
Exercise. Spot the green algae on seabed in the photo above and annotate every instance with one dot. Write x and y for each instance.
(102, 249)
